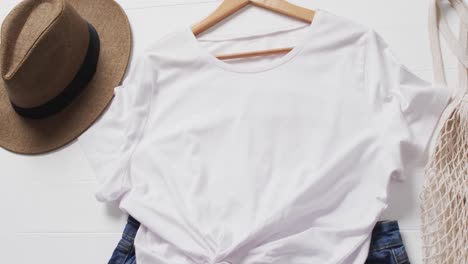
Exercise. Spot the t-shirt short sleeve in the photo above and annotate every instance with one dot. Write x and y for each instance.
(111, 140)
(407, 108)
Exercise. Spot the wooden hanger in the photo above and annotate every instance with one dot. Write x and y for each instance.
(229, 7)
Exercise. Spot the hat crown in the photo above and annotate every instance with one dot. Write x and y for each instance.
(43, 45)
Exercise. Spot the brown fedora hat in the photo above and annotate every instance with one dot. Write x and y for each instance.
(59, 62)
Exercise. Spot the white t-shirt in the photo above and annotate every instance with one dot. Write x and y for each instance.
(279, 159)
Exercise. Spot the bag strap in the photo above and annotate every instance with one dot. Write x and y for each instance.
(459, 49)
(438, 24)
(463, 70)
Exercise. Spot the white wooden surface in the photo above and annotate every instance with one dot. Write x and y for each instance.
(47, 205)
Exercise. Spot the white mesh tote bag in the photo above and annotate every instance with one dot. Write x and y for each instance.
(444, 209)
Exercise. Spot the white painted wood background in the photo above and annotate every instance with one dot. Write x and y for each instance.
(48, 213)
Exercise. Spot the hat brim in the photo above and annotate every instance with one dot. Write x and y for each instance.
(29, 136)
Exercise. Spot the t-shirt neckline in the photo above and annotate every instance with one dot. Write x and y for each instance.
(206, 54)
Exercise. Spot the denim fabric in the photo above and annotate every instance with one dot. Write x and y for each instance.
(386, 245)
(125, 251)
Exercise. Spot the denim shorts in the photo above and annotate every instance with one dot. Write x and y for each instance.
(386, 245)
(124, 253)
